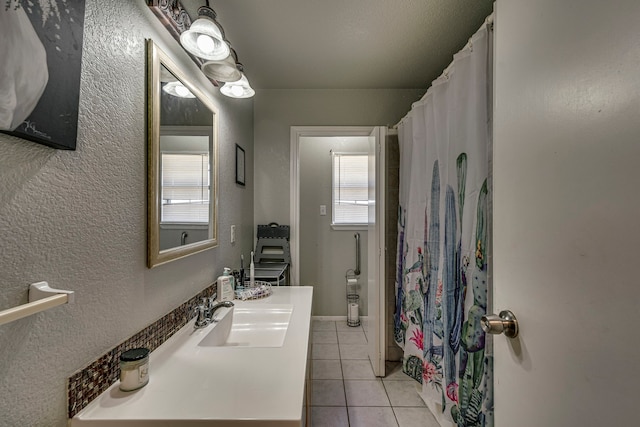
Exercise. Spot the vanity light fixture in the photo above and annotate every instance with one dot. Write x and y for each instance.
(238, 89)
(204, 38)
(176, 88)
(225, 70)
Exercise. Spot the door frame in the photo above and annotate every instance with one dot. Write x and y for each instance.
(377, 255)
(377, 351)
(298, 132)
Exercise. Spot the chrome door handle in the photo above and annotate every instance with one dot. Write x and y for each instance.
(505, 323)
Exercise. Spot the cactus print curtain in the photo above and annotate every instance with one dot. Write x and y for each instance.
(441, 271)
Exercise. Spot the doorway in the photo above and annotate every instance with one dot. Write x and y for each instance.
(323, 248)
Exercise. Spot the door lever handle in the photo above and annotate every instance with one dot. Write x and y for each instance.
(505, 323)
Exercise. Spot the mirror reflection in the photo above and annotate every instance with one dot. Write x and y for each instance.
(184, 169)
(182, 164)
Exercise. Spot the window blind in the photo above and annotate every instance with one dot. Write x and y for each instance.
(350, 188)
(185, 188)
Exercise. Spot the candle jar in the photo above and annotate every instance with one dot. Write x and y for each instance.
(134, 369)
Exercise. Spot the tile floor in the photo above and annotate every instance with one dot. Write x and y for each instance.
(346, 393)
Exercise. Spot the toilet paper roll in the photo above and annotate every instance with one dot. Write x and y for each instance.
(353, 311)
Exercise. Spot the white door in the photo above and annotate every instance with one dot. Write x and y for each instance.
(376, 251)
(567, 212)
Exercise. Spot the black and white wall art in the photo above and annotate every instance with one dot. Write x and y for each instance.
(40, 64)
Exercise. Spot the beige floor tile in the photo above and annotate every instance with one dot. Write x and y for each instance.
(329, 416)
(327, 393)
(352, 338)
(371, 417)
(403, 393)
(325, 351)
(324, 337)
(365, 393)
(354, 351)
(324, 325)
(415, 417)
(326, 370)
(343, 327)
(357, 370)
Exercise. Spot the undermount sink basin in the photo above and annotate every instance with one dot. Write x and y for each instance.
(259, 325)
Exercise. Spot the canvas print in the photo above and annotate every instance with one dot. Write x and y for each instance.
(41, 58)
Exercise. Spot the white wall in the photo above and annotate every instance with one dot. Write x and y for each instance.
(77, 219)
(326, 254)
(277, 110)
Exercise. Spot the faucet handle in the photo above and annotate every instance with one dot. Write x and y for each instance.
(203, 319)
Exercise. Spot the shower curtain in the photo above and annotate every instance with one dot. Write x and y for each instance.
(441, 270)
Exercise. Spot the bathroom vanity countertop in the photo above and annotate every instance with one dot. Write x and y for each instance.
(192, 385)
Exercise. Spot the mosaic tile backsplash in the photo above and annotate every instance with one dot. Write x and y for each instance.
(88, 383)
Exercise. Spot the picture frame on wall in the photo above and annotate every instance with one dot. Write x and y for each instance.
(240, 165)
(40, 70)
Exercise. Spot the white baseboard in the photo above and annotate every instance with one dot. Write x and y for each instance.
(335, 318)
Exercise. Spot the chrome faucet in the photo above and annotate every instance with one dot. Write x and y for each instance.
(207, 310)
(202, 320)
(215, 307)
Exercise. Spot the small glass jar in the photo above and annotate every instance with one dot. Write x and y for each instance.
(134, 369)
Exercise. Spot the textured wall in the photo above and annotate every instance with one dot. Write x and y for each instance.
(77, 219)
(326, 254)
(277, 110)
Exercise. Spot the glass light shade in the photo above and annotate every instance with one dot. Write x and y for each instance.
(177, 89)
(204, 40)
(238, 89)
(205, 43)
(222, 71)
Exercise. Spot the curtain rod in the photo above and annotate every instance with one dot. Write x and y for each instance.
(489, 23)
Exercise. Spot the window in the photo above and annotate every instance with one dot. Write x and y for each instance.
(350, 189)
(185, 188)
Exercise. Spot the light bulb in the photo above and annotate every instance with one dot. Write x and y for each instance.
(182, 91)
(237, 90)
(205, 43)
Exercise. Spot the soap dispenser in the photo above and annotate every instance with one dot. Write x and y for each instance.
(225, 286)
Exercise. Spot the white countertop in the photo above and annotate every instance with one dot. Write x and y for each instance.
(216, 386)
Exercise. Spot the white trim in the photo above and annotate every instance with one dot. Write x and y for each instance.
(376, 253)
(294, 179)
(330, 318)
(184, 226)
(347, 227)
(336, 318)
(380, 243)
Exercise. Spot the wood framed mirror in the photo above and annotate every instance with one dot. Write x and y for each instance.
(182, 158)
